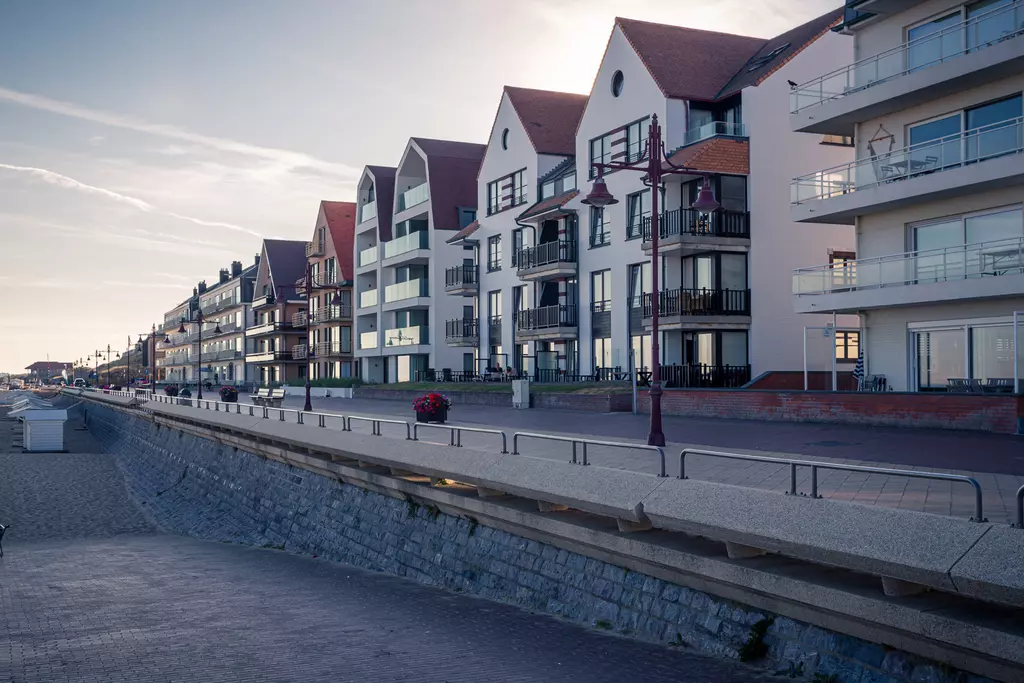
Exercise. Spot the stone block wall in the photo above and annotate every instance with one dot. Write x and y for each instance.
(197, 487)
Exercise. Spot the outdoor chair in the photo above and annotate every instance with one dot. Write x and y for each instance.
(976, 387)
(999, 385)
(958, 386)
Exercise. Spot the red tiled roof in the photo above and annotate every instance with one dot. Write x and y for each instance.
(384, 186)
(550, 118)
(688, 63)
(464, 233)
(717, 155)
(548, 204)
(341, 222)
(451, 171)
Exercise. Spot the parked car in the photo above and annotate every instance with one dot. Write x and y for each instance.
(79, 382)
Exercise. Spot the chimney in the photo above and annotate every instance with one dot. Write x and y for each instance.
(201, 289)
(195, 291)
(236, 268)
(224, 275)
(257, 262)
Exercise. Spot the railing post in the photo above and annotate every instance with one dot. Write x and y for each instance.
(585, 463)
(814, 482)
(792, 479)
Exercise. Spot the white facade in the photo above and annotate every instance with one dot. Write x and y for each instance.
(181, 349)
(935, 192)
(760, 333)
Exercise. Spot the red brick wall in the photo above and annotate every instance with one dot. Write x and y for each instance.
(1000, 414)
(793, 380)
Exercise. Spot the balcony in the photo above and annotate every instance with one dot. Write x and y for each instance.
(367, 257)
(269, 328)
(972, 271)
(299, 319)
(225, 328)
(369, 298)
(687, 230)
(261, 301)
(270, 357)
(959, 164)
(714, 129)
(299, 352)
(408, 246)
(223, 354)
(333, 349)
(368, 211)
(409, 291)
(547, 322)
(462, 332)
(314, 248)
(226, 302)
(690, 309)
(332, 314)
(461, 280)
(549, 260)
(407, 339)
(965, 55)
(413, 197)
(368, 340)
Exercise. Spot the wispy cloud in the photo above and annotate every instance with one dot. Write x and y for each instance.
(287, 159)
(64, 181)
(145, 284)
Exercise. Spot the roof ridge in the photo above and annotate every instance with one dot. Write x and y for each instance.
(690, 28)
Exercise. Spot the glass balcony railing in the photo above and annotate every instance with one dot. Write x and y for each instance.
(406, 336)
(410, 289)
(368, 256)
(413, 196)
(368, 211)
(368, 299)
(406, 243)
(973, 34)
(983, 259)
(368, 340)
(942, 154)
(710, 130)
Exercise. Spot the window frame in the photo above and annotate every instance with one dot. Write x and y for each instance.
(603, 239)
(635, 231)
(493, 253)
(844, 347)
(520, 192)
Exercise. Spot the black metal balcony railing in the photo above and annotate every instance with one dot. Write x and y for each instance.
(468, 328)
(690, 222)
(273, 356)
(685, 302)
(707, 376)
(559, 251)
(561, 315)
(457, 276)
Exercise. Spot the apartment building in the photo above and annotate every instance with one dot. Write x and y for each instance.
(401, 258)
(226, 314)
(577, 282)
(180, 343)
(275, 305)
(933, 99)
(326, 345)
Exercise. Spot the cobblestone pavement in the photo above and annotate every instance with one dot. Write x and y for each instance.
(996, 461)
(166, 608)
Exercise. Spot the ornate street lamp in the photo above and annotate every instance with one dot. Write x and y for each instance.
(200, 319)
(652, 163)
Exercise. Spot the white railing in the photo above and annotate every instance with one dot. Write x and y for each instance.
(982, 259)
(941, 154)
(368, 340)
(406, 336)
(710, 130)
(368, 211)
(967, 36)
(369, 298)
(413, 196)
(368, 256)
(409, 289)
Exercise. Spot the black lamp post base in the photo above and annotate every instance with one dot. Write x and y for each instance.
(656, 437)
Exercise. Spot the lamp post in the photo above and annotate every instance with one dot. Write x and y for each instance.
(312, 285)
(652, 163)
(200, 319)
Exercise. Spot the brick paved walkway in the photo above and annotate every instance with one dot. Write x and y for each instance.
(996, 461)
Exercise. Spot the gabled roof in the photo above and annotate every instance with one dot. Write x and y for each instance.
(717, 155)
(550, 118)
(341, 222)
(464, 233)
(384, 187)
(286, 262)
(451, 172)
(694, 64)
(548, 205)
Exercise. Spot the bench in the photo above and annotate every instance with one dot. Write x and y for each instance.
(269, 398)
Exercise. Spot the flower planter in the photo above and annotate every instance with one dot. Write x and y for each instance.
(229, 395)
(439, 416)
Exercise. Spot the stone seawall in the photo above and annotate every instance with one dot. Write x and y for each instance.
(199, 487)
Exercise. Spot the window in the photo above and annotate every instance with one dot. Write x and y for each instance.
(638, 208)
(601, 291)
(765, 59)
(636, 140)
(940, 239)
(517, 245)
(602, 353)
(626, 144)
(847, 346)
(494, 307)
(618, 80)
(504, 139)
(494, 253)
(599, 233)
(844, 269)
(547, 190)
(506, 192)
(569, 182)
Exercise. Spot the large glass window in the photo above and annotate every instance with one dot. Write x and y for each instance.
(734, 348)
(636, 140)
(600, 233)
(638, 208)
(946, 239)
(601, 290)
(941, 356)
(733, 192)
(993, 129)
(928, 44)
(506, 192)
(992, 352)
(494, 253)
(602, 352)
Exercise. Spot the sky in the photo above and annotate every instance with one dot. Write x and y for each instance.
(146, 145)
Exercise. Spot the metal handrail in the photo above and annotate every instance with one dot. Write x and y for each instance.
(585, 442)
(375, 423)
(1020, 508)
(455, 433)
(815, 465)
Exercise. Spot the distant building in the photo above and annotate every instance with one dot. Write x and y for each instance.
(277, 306)
(43, 370)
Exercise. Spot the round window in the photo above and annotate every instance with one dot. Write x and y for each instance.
(617, 80)
(504, 139)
